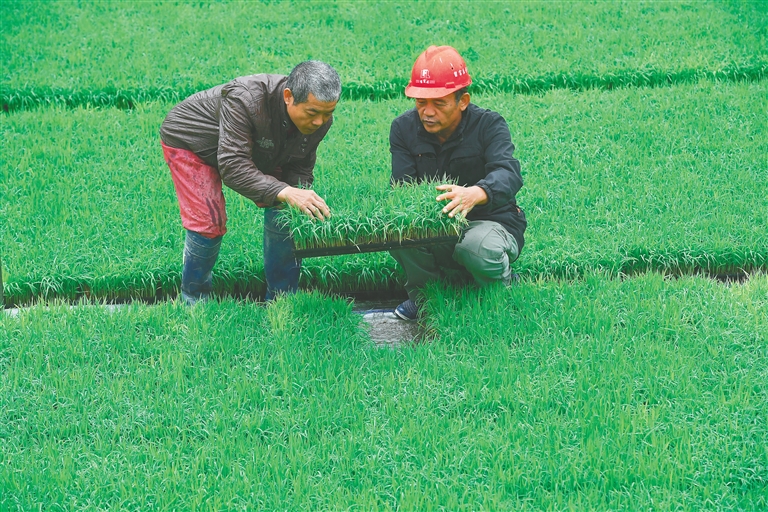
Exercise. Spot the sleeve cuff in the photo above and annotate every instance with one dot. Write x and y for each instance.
(488, 192)
(270, 196)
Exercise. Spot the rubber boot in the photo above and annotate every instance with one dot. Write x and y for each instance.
(200, 254)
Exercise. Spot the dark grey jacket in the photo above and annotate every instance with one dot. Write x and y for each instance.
(242, 128)
(478, 153)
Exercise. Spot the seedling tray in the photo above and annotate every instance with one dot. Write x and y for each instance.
(405, 243)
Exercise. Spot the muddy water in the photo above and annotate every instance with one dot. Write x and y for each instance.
(384, 328)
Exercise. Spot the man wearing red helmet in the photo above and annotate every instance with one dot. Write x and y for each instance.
(445, 137)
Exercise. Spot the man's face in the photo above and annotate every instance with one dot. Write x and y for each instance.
(441, 116)
(310, 115)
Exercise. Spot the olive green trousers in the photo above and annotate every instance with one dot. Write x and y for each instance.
(484, 253)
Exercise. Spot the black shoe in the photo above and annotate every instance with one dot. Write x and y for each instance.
(407, 310)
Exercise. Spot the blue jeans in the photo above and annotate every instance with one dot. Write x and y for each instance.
(280, 267)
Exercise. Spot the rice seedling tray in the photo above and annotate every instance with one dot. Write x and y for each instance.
(374, 247)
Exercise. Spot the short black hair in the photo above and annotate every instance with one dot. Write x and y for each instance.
(461, 92)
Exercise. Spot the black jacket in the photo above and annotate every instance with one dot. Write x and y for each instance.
(478, 153)
(242, 128)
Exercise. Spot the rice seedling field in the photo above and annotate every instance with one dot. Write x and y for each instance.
(594, 394)
(95, 52)
(404, 213)
(616, 375)
(622, 181)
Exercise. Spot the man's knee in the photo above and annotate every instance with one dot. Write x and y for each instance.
(485, 251)
(484, 263)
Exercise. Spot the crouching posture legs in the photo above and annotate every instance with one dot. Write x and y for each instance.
(486, 250)
(484, 254)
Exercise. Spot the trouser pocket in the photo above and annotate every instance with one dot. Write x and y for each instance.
(486, 250)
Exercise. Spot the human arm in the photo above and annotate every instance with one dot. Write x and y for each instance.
(462, 199)
(301, 172)
(503, 179)
(234, 153)
(403, 163)
(305, 200)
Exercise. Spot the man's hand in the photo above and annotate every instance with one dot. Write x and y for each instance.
(306, 201)
(463, 199)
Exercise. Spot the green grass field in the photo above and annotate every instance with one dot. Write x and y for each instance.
(621, 181)
(596, 394)
(89, 52)
(614, 376)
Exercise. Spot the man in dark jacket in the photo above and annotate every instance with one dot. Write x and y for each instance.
(258, 135)
(449, 139)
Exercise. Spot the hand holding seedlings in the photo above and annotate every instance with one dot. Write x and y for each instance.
(463, 199)
(293, 114)
(305, 200)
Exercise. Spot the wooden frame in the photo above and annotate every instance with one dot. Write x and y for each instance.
(375, 247)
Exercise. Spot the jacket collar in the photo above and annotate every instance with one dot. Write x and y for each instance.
(286, 124)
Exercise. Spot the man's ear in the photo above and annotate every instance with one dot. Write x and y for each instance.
(464, 101)
(288, 96)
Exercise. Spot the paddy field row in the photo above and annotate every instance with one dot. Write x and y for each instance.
(670, 179)
(589, 394)
(95, 53)
(592, 384)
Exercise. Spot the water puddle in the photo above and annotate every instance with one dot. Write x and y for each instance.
(14, 312)
(384, 328)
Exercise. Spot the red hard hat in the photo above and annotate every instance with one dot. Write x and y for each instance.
(438, 71)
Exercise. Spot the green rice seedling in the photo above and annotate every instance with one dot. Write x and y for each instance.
(658, 187)
(366, 273)
(406, 212)
(13, 99)
(603, 394)
(623, 181)
(49, 49)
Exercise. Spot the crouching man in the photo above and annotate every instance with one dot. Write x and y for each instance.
(258, 135)
(445, 137)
